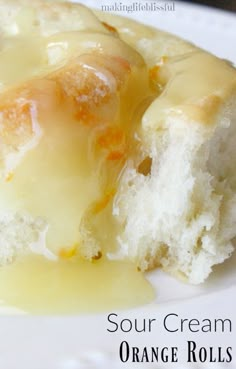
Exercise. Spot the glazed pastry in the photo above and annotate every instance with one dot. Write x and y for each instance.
(116, 140)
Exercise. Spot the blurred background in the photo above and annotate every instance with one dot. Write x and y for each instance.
(222, 4)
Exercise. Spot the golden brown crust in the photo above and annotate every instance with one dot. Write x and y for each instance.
(81, 91)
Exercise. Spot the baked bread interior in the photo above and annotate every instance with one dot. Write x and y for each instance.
(116, 140)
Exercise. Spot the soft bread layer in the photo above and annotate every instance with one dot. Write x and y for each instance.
(158, 190)
(186, 205)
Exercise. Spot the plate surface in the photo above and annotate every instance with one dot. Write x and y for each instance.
(83, 342)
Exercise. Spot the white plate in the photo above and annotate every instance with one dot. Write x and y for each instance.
(83, 342)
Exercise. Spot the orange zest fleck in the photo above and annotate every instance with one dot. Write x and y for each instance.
(153, 72)
(123, 63)
(112, 136)
(84, 116)
(109, 27)
(67, 253)
(101, 204)
(25, 108)
(115, 155)
(113, 141)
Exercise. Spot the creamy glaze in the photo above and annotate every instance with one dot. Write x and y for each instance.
(71, 169)
(37, 56)
(72, 134)
(36, 285)
(195, 86)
